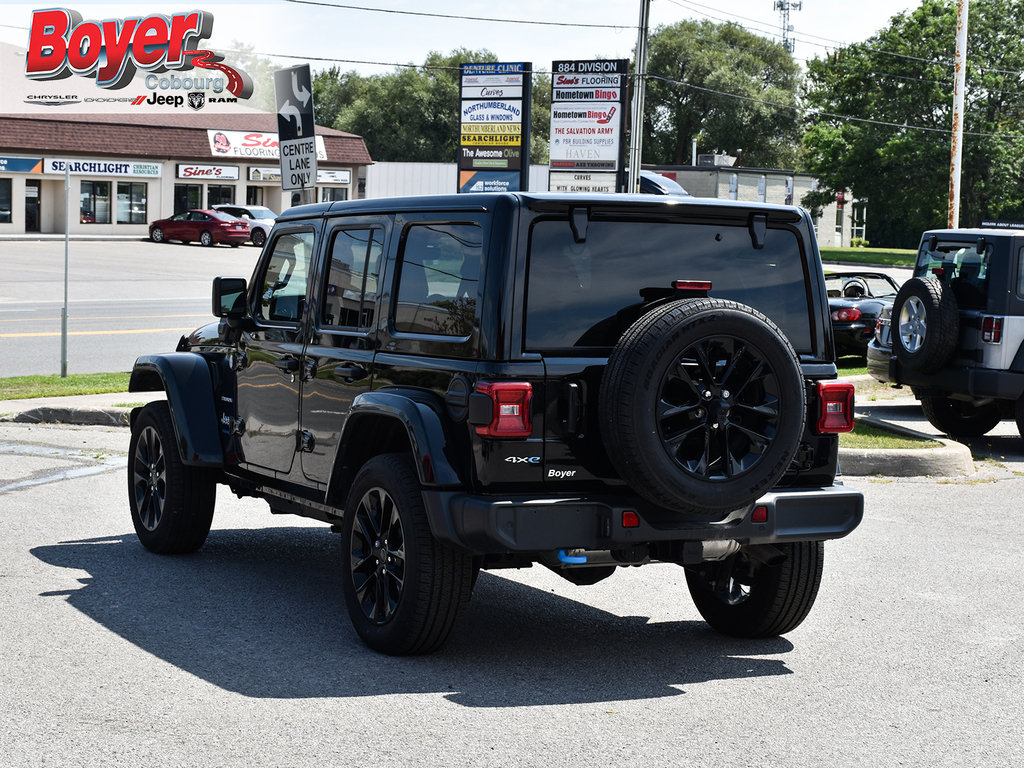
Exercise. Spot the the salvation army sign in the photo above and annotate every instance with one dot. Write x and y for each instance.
(584, 135)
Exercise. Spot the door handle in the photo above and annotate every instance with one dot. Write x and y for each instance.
(287, 364)
(350, 372)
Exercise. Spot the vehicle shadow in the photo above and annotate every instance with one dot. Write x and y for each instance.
(260, 613)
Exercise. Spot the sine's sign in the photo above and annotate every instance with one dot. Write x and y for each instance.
(295, 128)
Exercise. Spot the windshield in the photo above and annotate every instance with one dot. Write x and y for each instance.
(576, 291)
(859, 286)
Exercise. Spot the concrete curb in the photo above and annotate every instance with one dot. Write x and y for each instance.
(950, 459)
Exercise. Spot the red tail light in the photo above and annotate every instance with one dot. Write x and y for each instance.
(846, 315)
(992, 329)
(510, 409)
(835, 404)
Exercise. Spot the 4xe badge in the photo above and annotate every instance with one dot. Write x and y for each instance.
(111, 51)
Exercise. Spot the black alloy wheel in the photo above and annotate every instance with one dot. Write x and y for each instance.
(259, 237)
(404, 590)
(377, 560)
(702, 406)
(171, 503)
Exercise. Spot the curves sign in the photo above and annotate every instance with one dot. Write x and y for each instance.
(112, 51)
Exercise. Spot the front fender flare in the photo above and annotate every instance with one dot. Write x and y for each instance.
(185, 377)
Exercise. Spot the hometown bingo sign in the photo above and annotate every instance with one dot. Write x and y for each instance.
(494, 136)
(588, 109)
(112, 51)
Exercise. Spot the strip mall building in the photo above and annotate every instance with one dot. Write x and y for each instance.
(127, 170)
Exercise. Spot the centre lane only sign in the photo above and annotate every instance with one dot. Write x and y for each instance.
(296, 130)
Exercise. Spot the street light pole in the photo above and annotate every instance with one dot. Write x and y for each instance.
(636, 131)
(959, 85)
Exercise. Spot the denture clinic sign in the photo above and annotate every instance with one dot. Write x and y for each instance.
(588, 105)
(494, 130)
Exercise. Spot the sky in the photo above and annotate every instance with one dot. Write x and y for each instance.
(302, 31)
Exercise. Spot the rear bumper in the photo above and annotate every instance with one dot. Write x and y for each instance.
(975, 382)
(494, 525)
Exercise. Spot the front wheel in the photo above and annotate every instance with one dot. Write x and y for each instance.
(171, 503)
(206, 239)
(960, 418)
(744, 596)
(156, 235)
(404, 590)
(259, 237)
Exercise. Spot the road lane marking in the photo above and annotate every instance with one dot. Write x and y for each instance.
(76, 318)
(179, 329)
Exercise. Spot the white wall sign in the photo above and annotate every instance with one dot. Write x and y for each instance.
(226, 172)
(84, 167)
(578, 181)
(252, 144)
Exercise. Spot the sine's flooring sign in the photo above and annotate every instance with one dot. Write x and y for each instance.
(494, 127)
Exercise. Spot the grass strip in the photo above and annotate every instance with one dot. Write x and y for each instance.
(24, 387)
(893, 257)
(864, 437)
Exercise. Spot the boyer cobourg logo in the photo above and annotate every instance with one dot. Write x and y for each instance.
(112, 51)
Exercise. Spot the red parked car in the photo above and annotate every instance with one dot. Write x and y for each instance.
(205, 226)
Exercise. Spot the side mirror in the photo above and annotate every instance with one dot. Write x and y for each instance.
(229, 294)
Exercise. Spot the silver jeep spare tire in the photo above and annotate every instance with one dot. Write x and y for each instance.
(925, 324)
(702, 406)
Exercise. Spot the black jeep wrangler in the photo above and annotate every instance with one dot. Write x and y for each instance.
(486, 381)
(956, 331)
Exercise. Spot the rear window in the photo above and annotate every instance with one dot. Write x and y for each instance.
(576, 291)
(964, 269)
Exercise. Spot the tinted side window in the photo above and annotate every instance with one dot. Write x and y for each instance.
(576, 292)
(282, 288)
(351, 289)
(438, 277)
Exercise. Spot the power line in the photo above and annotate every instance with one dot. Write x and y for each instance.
(396, 11)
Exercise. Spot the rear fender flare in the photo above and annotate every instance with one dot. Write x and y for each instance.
(185, 377)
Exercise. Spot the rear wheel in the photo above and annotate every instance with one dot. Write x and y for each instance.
(206, 239)
(171, 502)
(961, 418)
(404, 590)
(743, 596)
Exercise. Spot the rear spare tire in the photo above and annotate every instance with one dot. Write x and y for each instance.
(925, 324)
(702, 406)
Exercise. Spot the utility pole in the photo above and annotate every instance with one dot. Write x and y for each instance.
(784, 7)
(636, 132)
(959, 85)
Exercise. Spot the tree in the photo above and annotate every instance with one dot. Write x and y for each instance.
(261, 70)
(902, 79)
(696, 72)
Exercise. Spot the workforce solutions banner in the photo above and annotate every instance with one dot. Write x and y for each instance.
(494, 136)
(588, 109)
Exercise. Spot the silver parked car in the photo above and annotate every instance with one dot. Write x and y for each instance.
(261, 219)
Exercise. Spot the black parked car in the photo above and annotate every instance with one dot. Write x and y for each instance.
(468, 382)
(855, 301)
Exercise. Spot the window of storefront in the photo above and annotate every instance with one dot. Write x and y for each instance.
(94, 202)
(253, 195)
(131, 202)
(330, 194)
(187, 196)
(219, 194)
(5, 201)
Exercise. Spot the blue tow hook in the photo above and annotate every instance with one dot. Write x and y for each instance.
(571, 559)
